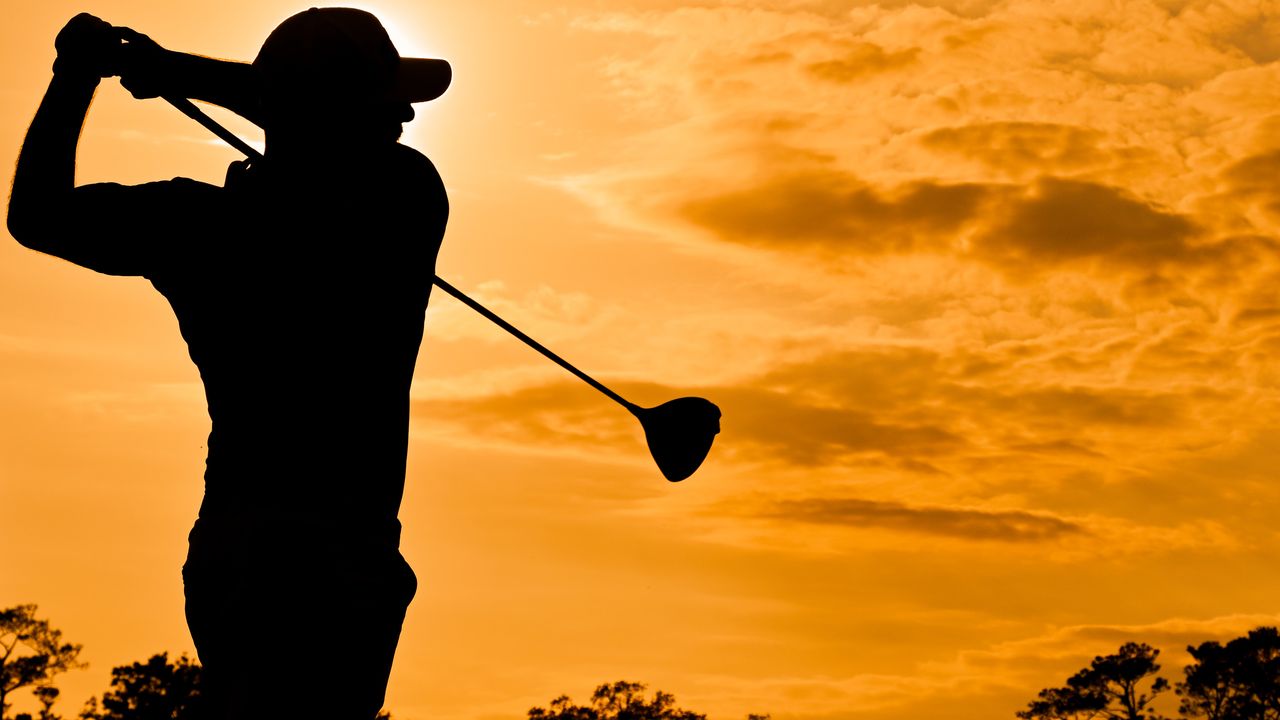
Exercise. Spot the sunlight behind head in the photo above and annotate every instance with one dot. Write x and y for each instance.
(326, 74)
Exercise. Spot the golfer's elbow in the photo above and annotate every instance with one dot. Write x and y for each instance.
(20, 224)
(32, 224)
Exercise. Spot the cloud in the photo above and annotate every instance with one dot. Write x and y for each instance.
(759, 424)
(780, 425)
(1085, 151)
(1054, 223)
(833, 212)
(1253, 180)
(556, 414)
(1081, 642)
(861, 60)
(550, 314)
(963, 523)
(1061, 221)
(919, 410)
(1021, 149)
(1082, 407)
(933, 449)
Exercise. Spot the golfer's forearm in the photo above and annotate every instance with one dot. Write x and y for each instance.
(46, 172)
(224, 83)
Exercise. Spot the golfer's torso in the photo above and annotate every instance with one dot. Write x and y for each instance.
(302, 305)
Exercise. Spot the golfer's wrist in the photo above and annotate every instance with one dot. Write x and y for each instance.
(68, 72)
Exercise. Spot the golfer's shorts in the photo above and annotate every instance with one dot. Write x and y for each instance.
(291, 622)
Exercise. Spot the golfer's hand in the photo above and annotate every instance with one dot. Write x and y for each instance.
(146, 69)
(88, 47)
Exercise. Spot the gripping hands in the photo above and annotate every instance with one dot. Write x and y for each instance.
(91, 47)
(88, 46)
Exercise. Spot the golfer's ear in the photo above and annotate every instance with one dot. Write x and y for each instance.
(236, 173)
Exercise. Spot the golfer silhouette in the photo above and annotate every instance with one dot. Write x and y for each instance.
(300, 288)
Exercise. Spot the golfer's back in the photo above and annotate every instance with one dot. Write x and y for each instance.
(301, 298)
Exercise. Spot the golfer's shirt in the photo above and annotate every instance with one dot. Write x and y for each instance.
(301, 297)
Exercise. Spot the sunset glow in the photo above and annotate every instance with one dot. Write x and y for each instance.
(986, 291)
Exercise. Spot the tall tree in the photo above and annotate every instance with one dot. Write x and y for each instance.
(153, 690)
(31, 652)
(1236, 681)
(1110, 688)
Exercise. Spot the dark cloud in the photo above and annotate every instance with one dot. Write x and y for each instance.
(862, 60)
(781, 425)
(925, 387)
(1074, 409)
(1255, 34)
(889, 378)
(1058, 447)
(1254, 179)
(964, 523)
(825, 209)
(1267, 315)
(1051, 223)
(1028, 148)
(1061, 221)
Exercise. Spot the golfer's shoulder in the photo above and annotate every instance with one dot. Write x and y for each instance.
(195, 192)
(176, 186)
(179, 187)
(186, 197)
(177, 195)
(186, 184)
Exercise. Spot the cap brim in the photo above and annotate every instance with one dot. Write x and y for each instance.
(422, 79)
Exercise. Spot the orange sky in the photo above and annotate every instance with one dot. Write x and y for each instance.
(985, 290)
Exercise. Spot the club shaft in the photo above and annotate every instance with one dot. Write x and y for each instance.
(493, 317)
(189, 109)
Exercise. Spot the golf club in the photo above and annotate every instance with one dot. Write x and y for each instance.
(678, 432)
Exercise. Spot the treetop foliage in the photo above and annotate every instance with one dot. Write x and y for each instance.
(1236, 681)
(156, 689)
(32, 653)
(1110, 688)
(621, 700)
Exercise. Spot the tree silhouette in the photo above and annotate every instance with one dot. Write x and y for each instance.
(1236, 681)
(157, 689)
(153, 690)
(47, 695)
(31, 653)
(1110, 688)
(621, 700)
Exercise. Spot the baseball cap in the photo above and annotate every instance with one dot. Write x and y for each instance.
(322, 51)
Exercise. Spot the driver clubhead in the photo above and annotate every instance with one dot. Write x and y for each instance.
(679, 433)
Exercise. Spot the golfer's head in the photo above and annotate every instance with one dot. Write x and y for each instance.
(334, 74)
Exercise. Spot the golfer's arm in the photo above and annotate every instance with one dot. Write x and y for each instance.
(225, 83)
(42, 203)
